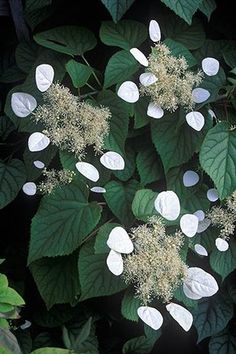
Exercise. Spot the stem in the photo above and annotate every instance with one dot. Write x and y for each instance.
(95, 231)
(90, 86)
(89, 94)
(94, 74)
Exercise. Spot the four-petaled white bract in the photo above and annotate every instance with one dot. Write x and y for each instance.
(119, 240)
(180, 315)
(38, 142)
(190, 178)
(221, 244)
(195, 120)
(200, 282)
(29, 188)
(200, 250)
(167, 204)
(98, 189)
(203, 225)
(154, 31)
(210, 66)
(212, 195)
(189, 224)
(151, 316)
(23, 104)
(139, 56)
(112, 160)
(44, 75)
(115, 262)
(39, 164)
(199, 214)
(129, 92)
(154, 111)
(200, 95)
(147, 79)
(88, 170)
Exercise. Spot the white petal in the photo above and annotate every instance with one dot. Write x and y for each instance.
(26, 325)
(212, 113)
(112, 160)
(221, 244)
(23, 104)
(195, 120)
(139, 56)
(44, 75)
(115, 262)
(212, 195)
(88, 171)
(200, 95)
(203, 225)
(151, 316)
(210, 66)
(189, 224)
(39, 164)
(190, 178)
(180, 315)
(200, 250)
(128, 91)
(154, 31)
(200, 215)
(38, 141)
(200, 282)
(147, 79)
(190, 294)
(29, 188)
(167, 204)
(154, 111)
(98, 189)
(120, 241)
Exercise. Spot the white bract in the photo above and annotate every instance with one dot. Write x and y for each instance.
(23, 104)
(195, 120)
(200, 250)
(180, 315)
(154, 111)
(154, 31)
(212, 113)
(98, 189)
(119, 240)
(115, 262)
(26, 325)
(203, 225)
(139, 56)
(88, 170)
(200, 215)
(167, 204)
(29, 188)
(151, 316)
(39, 164)
(200, 282)
(112, 160)
(190, 294)
(147, 79)
(200, 95)
(221, 244)
(129, 92)
(190, 178)
(212, 195)
(210, 66)
(38, 142)
(189, 224)
(44, 75)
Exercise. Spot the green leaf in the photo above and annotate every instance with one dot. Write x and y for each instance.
(5, 325)
(3, 282)
(26, 55)
(212, 315)
(10, 296)
(100, 245)
(149, 165)
(130, 166)
(9, 342)
(224, 263)
(207, 7)
(12, 74)
(130, 305)
(12, 177)
(230, 57)
(24, 340)
(71, 40)
(139, 345)
(223, 342)
(140, 113)
(120, 67)
(119, 197)
(95, 277)
(218, 158)
(126, 34)
(78, 72)
(213, 84)
(6, 127)
(117, 8)
(57, 279)
(143, 204)
(62, 221)
(179, 50)
(183, 8)
(48, 350)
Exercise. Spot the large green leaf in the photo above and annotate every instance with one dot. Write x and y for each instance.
(127, 172)
(130, 305)
(179, 50)
(149, 165)
(140, 112)
(183, 8)
(63, 220)
(223, 342)
(213, 84)
(48, 350)
(120, 67)
(12, 177)
(57, 279)
(224, 263)
(26, 54)
(126, 34)
(143, 204)
(218, 158)
(207, 7)
(78, 72)
(117, 8)
(100, 245)
(72, 40)
(139, 345)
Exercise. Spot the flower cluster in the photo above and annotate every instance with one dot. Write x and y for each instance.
(55, 178)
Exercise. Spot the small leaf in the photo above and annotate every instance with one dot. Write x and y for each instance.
(207, 7)
(129, 306)
(143, 204)
(183, 8)
(78, 72)
(117, 8)
(224, 263)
